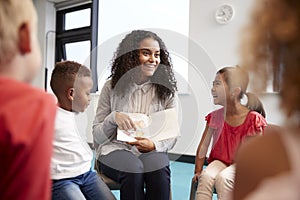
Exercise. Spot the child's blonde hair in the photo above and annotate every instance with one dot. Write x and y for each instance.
(13, 13)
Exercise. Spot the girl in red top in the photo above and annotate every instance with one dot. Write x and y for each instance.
(226, 127)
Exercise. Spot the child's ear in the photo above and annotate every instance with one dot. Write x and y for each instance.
(70, 94)
(237, 91)
(24, 38)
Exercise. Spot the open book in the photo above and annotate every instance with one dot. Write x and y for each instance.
(158, 126)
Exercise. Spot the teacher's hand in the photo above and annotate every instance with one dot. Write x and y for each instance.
(144, 145)
(124, 122)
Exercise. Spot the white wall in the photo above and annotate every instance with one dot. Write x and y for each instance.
(46, 23)
(211, 46)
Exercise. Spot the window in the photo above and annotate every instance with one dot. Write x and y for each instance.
(79, 51)
(78, 19)
(75, 35)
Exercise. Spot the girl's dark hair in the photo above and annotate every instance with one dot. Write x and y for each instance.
(126, 58)
(255, 104)
(238, 77)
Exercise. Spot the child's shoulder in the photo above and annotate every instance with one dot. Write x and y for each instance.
(255, 116)
(254, 113)
(217, 112)
(215, 116)
(261, 150)
(19, 90)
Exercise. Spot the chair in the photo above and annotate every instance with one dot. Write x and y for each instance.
(193, 190)
(194, 185)
(113, 185)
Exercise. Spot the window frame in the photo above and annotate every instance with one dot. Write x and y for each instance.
(87, 33)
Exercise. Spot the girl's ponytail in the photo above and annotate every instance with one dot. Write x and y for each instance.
(255, 104)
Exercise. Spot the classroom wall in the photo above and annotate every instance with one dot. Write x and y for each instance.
(211, 46)
(46, 22)
(221, 44)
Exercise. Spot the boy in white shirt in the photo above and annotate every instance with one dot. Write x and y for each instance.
(71, 172)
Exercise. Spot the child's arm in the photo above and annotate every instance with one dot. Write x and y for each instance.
(201, 152)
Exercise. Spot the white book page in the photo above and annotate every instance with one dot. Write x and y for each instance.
(158, 126)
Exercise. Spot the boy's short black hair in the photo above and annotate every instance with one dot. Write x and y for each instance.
(64, 75)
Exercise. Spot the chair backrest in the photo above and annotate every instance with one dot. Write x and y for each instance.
(113, 185)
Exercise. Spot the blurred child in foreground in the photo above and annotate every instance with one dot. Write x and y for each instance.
(268, 167)
(26, 113)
